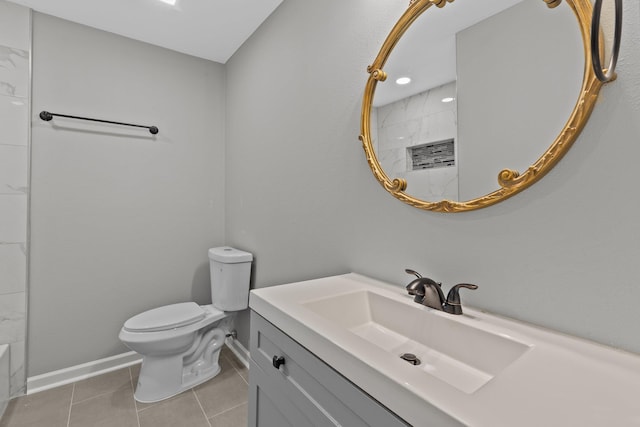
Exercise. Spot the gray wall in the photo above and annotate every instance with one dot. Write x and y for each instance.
(500, 114)
(121, 222)
(301, 197)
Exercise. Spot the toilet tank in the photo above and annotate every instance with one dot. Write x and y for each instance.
(230, 276)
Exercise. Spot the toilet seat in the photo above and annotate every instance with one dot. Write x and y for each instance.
(167, 317)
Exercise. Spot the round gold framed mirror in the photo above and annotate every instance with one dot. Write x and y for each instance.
(479, 125)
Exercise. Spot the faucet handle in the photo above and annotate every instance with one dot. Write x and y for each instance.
(410, 271)
(411, 287)
(453, 297)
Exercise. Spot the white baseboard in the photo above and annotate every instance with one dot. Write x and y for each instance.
(239, 350)
(72, 374)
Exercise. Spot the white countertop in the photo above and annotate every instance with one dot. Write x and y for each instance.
(559, 381)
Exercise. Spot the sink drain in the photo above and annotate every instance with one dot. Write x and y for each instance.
(411, 358)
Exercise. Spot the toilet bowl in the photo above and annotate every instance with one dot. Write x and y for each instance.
(180, 343)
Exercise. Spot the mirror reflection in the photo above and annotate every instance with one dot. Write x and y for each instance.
(491, 85)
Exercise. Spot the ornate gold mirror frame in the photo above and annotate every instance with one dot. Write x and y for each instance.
(510, 181)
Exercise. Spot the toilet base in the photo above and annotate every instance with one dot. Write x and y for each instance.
(146, 395)
(164, 377)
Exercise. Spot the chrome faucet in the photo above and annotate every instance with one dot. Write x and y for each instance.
(428, 292)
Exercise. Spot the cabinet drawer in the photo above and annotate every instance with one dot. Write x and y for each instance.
(269, 408)
(324, 396)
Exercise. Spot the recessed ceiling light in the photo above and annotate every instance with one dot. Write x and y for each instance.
(448, 99)
(169, 2)
(403, 80)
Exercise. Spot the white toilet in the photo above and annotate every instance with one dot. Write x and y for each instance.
(180, 343)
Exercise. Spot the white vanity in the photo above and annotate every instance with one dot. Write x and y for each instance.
(327, 352)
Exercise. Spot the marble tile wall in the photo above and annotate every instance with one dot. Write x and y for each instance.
(4, 378)
(418, 120)
(15, 42)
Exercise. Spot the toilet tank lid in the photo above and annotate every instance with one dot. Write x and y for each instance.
(166, 317)
(228, 255)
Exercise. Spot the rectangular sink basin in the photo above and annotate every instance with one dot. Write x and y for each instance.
(476, 369)
(463, 356)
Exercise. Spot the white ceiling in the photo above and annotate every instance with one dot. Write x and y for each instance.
(210, 29)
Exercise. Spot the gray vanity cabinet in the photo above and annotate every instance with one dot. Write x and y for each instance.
(297, 389)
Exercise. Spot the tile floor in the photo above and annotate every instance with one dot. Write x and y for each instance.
(107, 400)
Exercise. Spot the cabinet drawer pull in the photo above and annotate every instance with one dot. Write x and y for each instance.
(278, 361)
